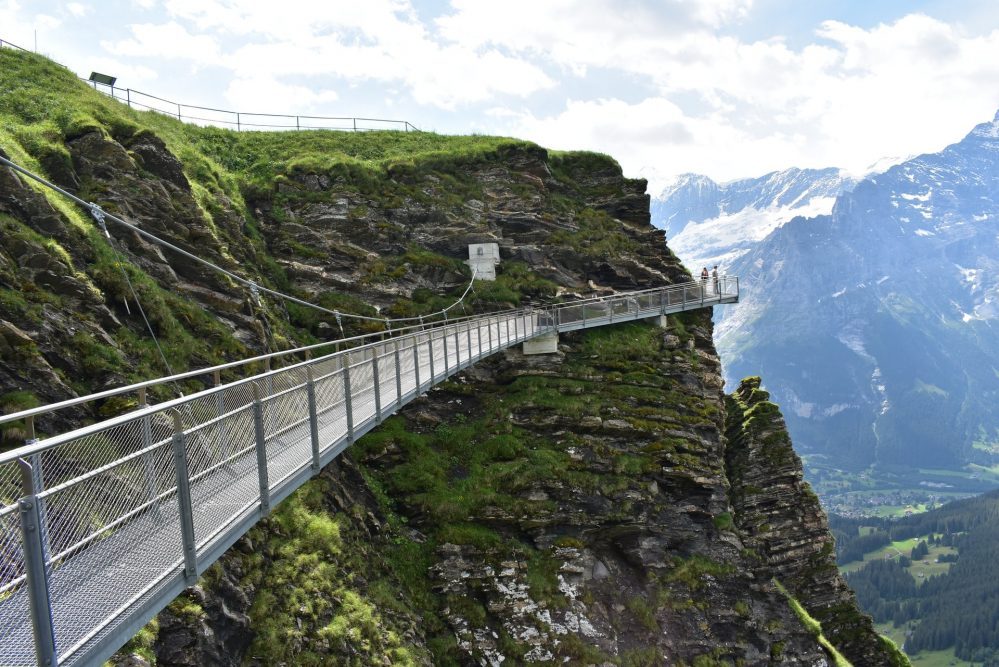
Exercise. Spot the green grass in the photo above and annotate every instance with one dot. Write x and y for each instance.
(920, 569)
(813, 627)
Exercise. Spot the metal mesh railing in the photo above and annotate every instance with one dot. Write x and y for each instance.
(121, 511)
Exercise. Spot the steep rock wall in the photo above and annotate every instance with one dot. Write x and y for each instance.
(781, 520)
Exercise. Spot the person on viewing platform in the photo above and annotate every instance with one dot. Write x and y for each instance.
(714, 277)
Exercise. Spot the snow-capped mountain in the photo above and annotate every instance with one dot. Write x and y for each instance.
(877, 325)
(707, 223)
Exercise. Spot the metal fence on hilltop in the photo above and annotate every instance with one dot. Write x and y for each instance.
(238, 120)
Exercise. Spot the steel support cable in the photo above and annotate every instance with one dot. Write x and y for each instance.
(135, 296)
(96, 210)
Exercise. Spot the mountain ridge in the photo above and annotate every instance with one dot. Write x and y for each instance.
(889, 299)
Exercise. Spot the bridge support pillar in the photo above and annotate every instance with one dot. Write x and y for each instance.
(546, 343)
(658, 320)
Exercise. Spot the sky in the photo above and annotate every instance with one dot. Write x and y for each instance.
(726, 88)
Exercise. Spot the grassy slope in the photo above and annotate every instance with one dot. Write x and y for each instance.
(43, 106)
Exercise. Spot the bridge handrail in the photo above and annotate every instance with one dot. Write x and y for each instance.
(197, 372)
(31, 413)
(556, 311)
(48, 443)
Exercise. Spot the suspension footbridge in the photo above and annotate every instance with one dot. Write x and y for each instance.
(102, 526)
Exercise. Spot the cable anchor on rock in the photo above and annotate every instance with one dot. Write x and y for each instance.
(255, 293)
(98, 213)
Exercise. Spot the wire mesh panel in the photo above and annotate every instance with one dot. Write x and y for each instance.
(287, 434)
(16, 640)
(10, 483)
(221, 466)
(407, 364)
(330, 409)
(362, 391)
(111, 533)
(386, 376)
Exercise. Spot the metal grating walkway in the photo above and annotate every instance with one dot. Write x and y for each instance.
(126, 513)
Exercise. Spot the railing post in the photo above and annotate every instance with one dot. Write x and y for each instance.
(377, 385)
(33, 549)
(430, 348)
(261, 447)
(37, 483)
(348, 401)
(478, 334)
(416, 361)
(468, 335)
(444, 340)
(310, 390)
(457, 348)
(184, 499)
(398, 375)
(506, 320)
(489, 327)
(237, 121)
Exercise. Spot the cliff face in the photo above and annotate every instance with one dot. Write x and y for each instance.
(780, 519)
(581, 507)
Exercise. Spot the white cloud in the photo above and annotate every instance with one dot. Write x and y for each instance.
(263, 94)
(77, 9)
(168, 40)
(376, 40)
(855, 96)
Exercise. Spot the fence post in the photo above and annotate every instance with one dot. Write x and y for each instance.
(398, 376)
(297, 126)
(430, 348)
(468, 332)
(184, 499)
(261, 444)
(178, 112)
(36, 574)
(355, 124)
(128, 97)
(444, 339)
(416, 362)
(237, 121)
(37, 483)
(310, 390)
(348, 401)
(377, 385)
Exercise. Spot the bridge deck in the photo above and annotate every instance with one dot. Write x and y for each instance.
(111, 510)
